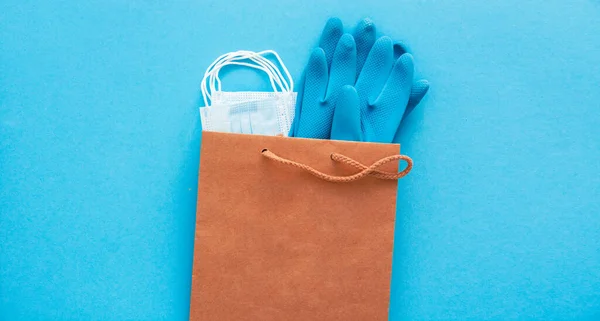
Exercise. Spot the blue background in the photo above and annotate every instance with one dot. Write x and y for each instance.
(99, 144)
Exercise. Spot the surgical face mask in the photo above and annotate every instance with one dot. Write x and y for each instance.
(262, 113)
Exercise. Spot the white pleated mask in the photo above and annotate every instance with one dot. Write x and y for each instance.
(248, 112)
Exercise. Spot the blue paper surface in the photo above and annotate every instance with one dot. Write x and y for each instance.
(99, 144)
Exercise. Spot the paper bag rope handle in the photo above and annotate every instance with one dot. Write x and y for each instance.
(365, 170)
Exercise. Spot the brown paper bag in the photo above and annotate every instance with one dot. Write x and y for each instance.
(293, 229)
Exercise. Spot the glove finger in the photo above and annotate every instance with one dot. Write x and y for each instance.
(376, 70)
(419, 89)
(389, 107)
(398, 135)
(400, 48)
(330, 37)
(315, 120)
(417, 92)
(346, 123)
(364, 35)
(343, 66)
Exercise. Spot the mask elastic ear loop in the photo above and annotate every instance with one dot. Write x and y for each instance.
(267, 66)
(272, 78)
(256, 57)
(282, 65)
(229, 59)
(275, 69)
(211, 74)
(205, 92)
(271, 70)
(275, 73)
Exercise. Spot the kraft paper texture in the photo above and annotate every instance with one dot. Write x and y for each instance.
(276, 243)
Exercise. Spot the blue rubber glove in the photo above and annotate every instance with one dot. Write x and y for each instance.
(337, 62)
(373, 108)
(330, 66)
